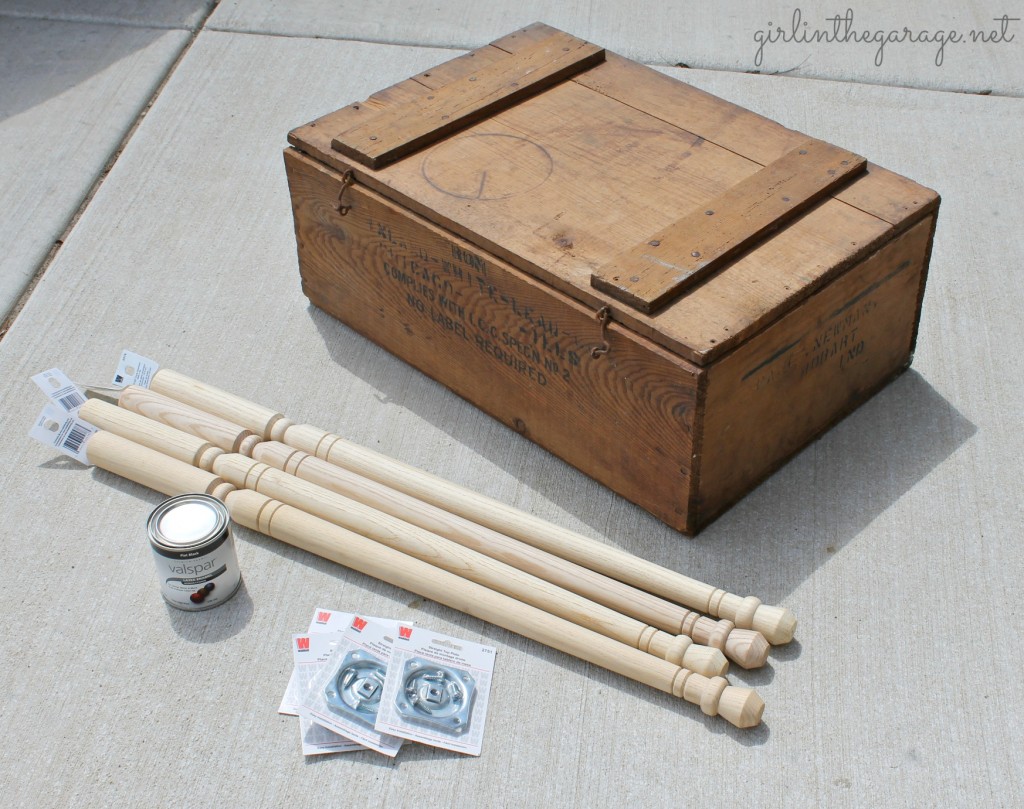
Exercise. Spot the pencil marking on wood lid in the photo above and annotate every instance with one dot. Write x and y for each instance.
(486, 166)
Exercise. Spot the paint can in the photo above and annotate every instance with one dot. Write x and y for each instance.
(194, 551)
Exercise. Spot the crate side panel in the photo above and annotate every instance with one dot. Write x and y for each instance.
(774, 394)
(517, 349)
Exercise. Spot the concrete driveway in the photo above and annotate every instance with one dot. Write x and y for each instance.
(143, 205)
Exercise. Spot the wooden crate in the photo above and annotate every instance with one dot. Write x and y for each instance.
(668, 291)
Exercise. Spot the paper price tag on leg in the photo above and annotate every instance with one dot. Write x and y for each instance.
(64, 432)
(61, 391)
(134, 369)
(436, 691)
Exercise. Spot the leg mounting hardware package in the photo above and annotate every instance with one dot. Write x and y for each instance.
(437, 690)
(356, 687)
(436, 695)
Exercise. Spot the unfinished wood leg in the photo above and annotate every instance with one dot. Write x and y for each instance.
(740, 706)
(777, 624)
(747, 647)
(443, 553)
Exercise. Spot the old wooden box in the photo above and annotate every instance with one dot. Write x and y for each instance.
(670, 292)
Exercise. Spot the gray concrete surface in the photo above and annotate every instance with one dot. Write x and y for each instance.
(151, 14)
(895, 538)
(732, 35)
(69, 93)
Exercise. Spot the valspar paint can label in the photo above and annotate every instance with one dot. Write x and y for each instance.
(194, 551)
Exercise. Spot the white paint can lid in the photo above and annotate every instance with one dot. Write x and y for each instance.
(188, 524)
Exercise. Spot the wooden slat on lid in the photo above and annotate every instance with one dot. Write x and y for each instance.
(398, 130)
(651, 274)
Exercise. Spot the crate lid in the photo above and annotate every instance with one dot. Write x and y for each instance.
(691, 220)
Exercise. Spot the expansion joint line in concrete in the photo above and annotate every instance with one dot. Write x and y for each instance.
(44, 265)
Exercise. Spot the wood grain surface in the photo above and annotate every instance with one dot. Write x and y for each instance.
(608, 180)
(398, 130)
(771, 396)
(500, 339)
(675, 259)
(178, 444)
(634, 153)
(217, 431)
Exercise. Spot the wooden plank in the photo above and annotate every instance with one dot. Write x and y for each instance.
(763, 284)
(399, 130)
(316, 136)
(729, 125)
(649, 275)
(511, 345)
(878, 191)
(891, 197)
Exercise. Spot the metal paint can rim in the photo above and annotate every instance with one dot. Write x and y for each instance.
(199, 538)
(193, 528)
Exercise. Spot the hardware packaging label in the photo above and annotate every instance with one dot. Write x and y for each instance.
(436, 690)
(345, 694)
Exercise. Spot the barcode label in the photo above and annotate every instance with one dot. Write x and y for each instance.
(64, 432)
(69, 398)
(76, 437)
(61, 390)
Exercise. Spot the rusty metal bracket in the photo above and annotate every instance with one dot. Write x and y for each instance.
(347, 179)
(604, 316)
